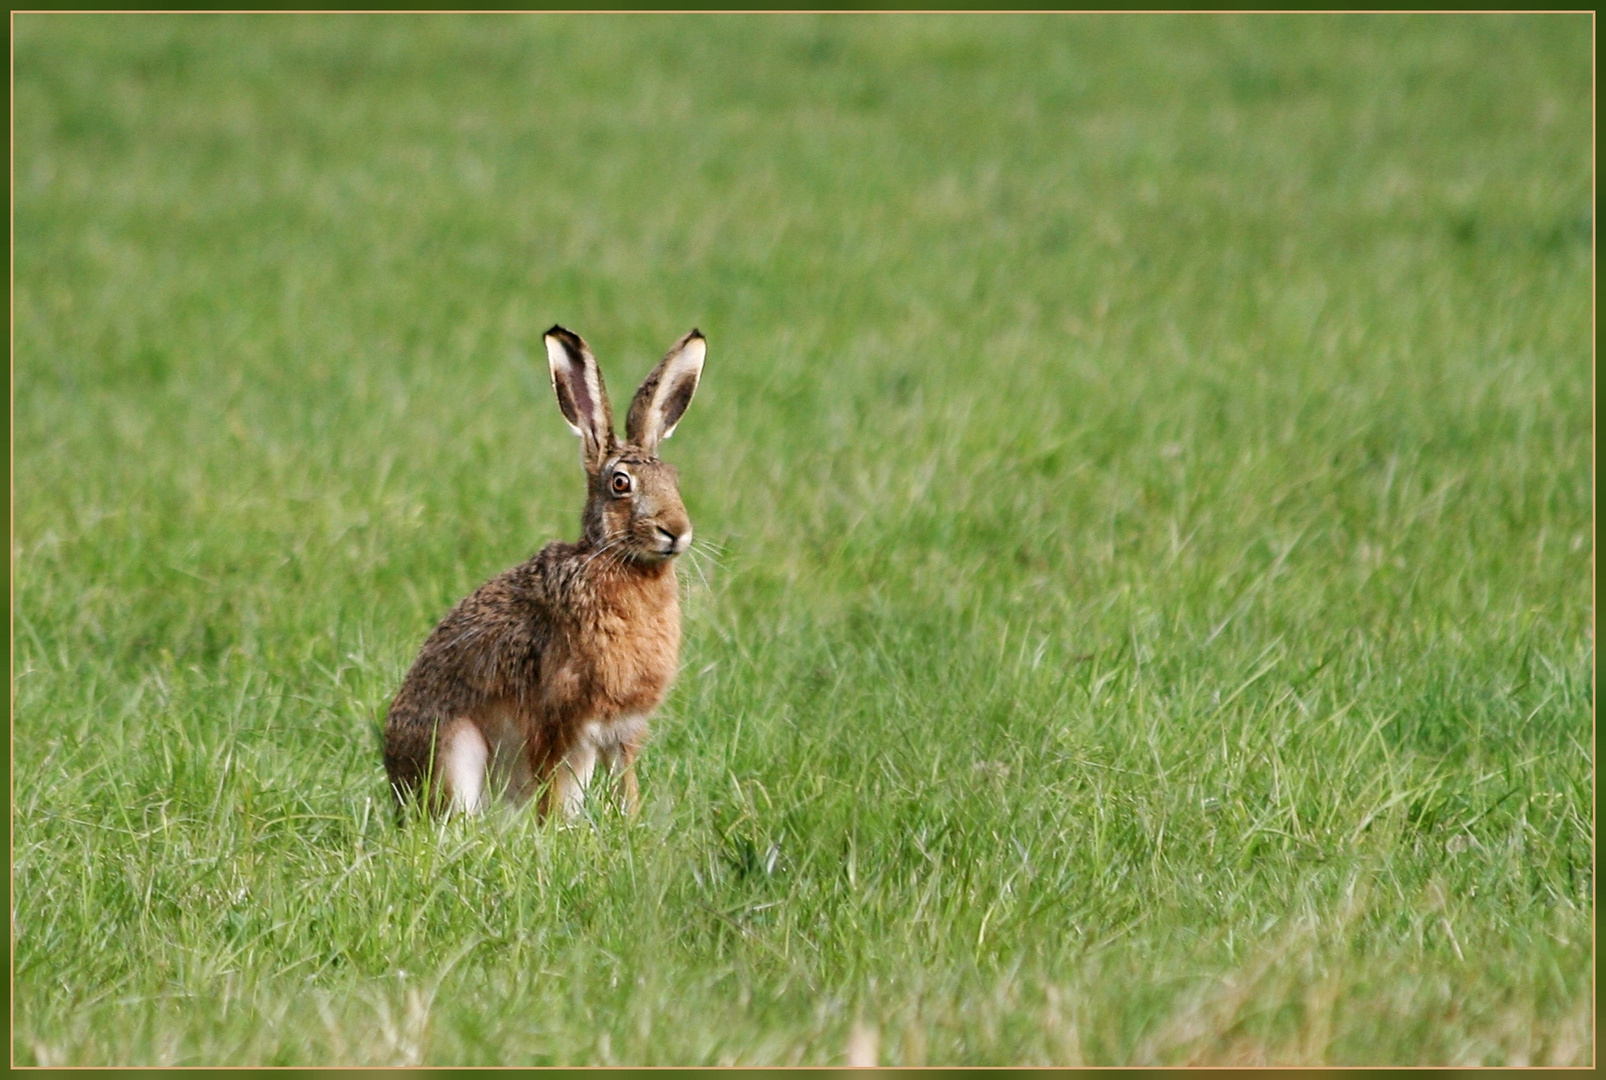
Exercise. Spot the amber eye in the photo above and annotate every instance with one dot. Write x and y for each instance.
(621, 483)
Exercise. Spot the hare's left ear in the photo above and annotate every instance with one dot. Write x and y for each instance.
(582, 398)
(662, 399)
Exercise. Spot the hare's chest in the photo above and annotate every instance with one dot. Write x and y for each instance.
(624, 654)
(639, 661)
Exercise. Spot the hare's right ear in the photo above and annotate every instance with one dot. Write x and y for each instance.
(581, 396)
(662, 399)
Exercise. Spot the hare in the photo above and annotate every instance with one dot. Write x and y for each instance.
(552, 668)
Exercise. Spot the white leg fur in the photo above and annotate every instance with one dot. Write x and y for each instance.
(573, 776)
(610, 740)
(463, 756)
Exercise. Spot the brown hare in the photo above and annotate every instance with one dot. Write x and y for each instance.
(552, 668)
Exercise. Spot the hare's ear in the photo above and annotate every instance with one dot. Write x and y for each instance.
(662, 399)
(581, 396)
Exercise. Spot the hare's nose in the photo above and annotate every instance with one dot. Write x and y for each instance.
(673, 544)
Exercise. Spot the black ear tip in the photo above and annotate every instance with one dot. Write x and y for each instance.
(558, 331)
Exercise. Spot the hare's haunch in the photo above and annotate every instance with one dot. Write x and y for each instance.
(551, 669)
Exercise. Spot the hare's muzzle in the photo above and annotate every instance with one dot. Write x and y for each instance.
(672, 543)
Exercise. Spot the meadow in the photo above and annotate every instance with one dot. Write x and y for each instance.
(1144, 481)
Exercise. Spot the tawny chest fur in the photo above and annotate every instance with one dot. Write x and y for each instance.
(623, 653)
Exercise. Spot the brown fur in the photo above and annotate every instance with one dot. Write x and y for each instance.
(580, 642)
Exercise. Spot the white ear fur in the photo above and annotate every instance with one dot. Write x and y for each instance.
(663, 397)
(577, 384)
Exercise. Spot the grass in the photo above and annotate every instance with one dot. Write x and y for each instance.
(1151, 464)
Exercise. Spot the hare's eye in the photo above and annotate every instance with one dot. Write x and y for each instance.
(621, 483)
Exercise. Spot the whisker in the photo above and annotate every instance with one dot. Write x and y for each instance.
(697, 566)
(713, 554)
(616, 553)
(601, 551)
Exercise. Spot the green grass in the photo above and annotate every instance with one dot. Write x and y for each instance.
(1151, 457)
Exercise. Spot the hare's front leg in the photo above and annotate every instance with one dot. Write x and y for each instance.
(568, 791)
(620, 744)
(620, 759)
(614, 747)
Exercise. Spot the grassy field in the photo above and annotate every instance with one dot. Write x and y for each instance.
(1150, 463)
